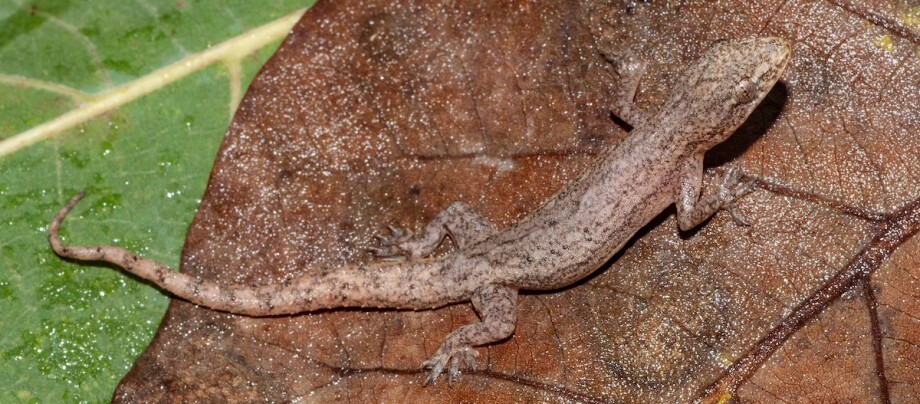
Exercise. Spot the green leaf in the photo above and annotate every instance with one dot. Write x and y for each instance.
(128, 101)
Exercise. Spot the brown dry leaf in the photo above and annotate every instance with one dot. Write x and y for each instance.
(382, 112)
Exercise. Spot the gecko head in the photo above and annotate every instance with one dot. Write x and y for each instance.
(717, 92)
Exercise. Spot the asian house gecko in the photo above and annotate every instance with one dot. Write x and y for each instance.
(573, 233)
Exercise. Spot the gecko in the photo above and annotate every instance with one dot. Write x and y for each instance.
(572, 234)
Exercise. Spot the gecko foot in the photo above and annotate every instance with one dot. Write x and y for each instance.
(624, 61)
(452, 355)
(731, 188)
(390, 244)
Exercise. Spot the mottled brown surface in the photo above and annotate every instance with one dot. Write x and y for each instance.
(375, 114)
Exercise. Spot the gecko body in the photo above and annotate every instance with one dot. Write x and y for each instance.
(573, 233)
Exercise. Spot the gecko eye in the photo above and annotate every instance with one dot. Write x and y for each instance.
(745, 91)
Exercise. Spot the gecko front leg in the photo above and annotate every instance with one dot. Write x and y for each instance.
(497, 308)
(693, 209)
(459, 221)
(630, 69)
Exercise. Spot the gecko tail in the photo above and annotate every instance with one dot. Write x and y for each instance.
(177, 283)
(237, 299)
(382, 286)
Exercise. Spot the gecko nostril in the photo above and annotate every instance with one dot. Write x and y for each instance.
(777, 45)
(773, 45)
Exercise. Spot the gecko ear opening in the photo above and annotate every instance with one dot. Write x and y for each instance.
(745, 91)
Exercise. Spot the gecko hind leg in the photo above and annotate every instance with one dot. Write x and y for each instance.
(497, 307)
(459, 221)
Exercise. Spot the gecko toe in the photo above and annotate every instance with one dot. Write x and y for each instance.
(732, 184)
(389, 245)
(738, 217)
(453, 372)
(743, 189)
(435, 365)
(463, 358)
(453, 359)
(624, 60)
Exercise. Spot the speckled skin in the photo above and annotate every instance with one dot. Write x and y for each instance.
(568, 237)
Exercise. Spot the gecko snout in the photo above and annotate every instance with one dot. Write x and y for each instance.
(778, 49)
